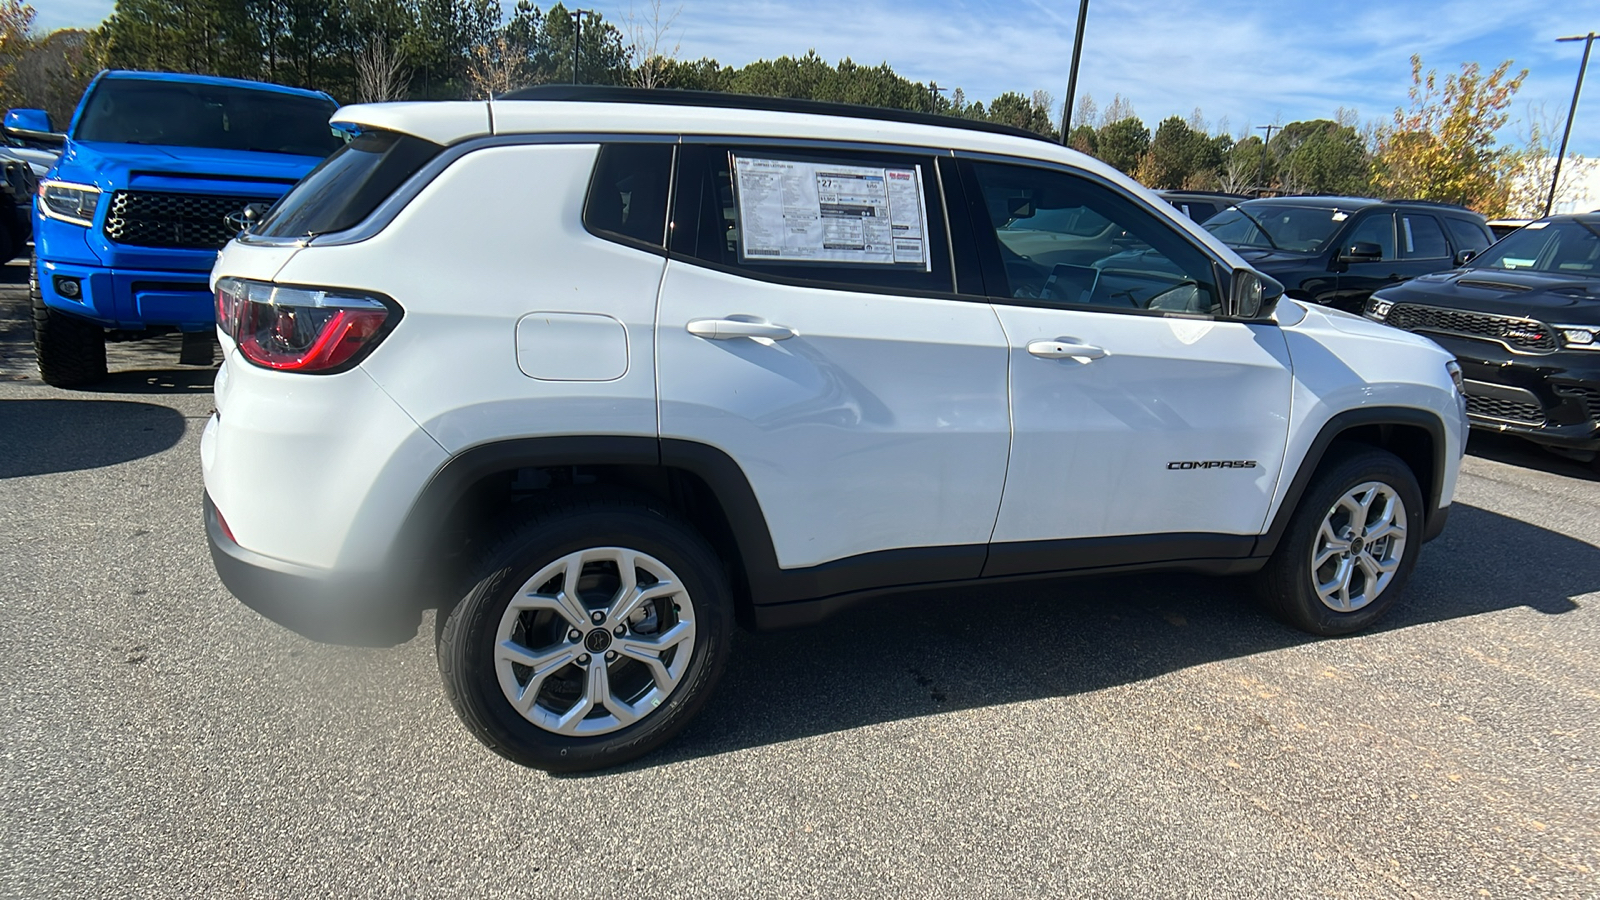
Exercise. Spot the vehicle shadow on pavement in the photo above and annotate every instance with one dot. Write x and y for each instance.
(39, 437)
(917, 655)
(156, 381)
(1514, 451)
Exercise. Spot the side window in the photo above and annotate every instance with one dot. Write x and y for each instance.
(1421, 237)
(1374, 228)
(1469, 235)
(628, 193)
(1065, 240)
(844, 219)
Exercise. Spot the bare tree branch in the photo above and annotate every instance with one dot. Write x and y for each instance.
(381, 72)
(647, 36)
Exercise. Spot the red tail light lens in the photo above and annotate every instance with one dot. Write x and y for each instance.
(301, 329)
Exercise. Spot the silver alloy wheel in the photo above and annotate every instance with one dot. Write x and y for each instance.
(595, 641)
(1359, 546)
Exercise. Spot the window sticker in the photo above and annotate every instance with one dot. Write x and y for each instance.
(792, 211)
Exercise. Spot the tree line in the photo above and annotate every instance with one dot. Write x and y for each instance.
(1443, 147)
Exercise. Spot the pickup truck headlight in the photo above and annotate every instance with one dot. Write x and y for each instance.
(69, 202)
(1579, 337)
(1378, 308)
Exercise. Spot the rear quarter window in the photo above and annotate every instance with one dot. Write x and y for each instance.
(347, 186)
(1469, 235)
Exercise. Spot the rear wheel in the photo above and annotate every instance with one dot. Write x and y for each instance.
(1350, 547)
(595, 632)
(70, 351)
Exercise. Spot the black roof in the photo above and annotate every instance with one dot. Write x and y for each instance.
(594, 93)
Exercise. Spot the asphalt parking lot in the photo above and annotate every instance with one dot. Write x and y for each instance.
(1138, 737)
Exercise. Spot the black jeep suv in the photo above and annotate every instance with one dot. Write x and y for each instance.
(1337, 250)
(1523, 319)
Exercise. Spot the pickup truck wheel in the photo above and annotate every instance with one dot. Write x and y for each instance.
(1350, 547)
(70, 352)
(593, 635)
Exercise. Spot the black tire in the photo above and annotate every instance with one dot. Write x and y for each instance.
(468, 640)
(1287, 584)
(71, 352)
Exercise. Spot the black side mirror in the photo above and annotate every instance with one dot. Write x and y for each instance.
(1362, 251)
(1252, 295)
(1465, 257)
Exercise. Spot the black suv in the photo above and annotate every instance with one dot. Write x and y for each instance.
(1201, 205)
(1337, 250)
(1524, 321)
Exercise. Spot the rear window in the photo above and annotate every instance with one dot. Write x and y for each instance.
(347, 186)
(850, 220)
(218, 117)
(1421, 237)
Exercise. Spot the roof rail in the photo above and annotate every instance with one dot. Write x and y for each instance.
(594, 93)
(1432, 203)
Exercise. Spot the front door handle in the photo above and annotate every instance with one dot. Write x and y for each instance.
(739, 326)
(1067, 348)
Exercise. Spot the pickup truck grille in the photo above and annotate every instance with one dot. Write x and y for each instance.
(1510, 410)
(1518, 334)
(159, 219)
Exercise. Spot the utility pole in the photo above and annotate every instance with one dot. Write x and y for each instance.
(1072, 76)
(933, 96)
(1555, 177)
(1269, 129)
(577, 31)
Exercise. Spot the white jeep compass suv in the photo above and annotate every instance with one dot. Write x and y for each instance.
(599, 372)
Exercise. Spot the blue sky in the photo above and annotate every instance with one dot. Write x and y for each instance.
(1253, 61)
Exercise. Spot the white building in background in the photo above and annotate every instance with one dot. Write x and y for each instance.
(1583, 186)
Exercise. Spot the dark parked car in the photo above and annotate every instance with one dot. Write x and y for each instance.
(1524, 321)
(1337, 250)
(1201, 205)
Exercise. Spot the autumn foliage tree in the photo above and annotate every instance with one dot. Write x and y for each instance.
(1443, 147)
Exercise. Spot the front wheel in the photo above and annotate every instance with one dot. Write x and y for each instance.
(595, 632)
(1350, 546)
(70, 351)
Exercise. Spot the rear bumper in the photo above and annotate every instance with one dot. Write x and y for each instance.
(353, 610)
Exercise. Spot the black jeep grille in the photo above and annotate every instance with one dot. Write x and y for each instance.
(1518, 334)
(1510, 410)
(157, 219)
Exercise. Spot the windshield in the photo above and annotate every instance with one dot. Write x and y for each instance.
(1303, 229)
(1560, 248)
(180, 114)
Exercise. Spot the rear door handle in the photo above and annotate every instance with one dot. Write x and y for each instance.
(1067, 348)
(739, 326)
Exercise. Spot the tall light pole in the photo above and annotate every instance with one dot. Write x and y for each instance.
(1072, 76)
(1555, 177)
(1269, 129)
(577, 30)
(933, 96)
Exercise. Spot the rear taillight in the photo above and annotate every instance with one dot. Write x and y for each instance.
(302, 329)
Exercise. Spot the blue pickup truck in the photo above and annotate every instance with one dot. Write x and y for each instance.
(157, 172)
